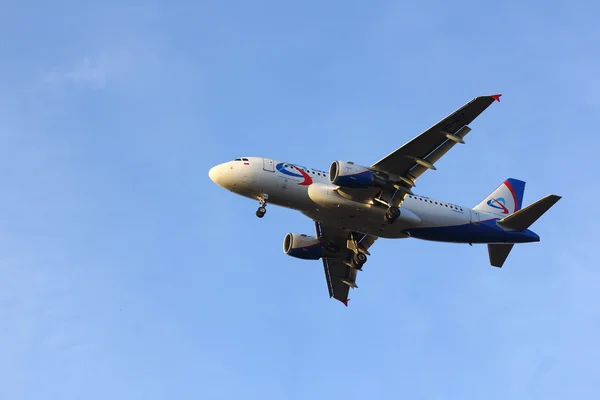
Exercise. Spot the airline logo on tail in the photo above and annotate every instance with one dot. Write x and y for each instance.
(296, 172)
(499, 204)
(505, 200)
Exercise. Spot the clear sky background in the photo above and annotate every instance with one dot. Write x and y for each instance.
(126, 273)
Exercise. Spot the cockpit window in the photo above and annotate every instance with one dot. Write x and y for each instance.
(238, 159)
(244, 159)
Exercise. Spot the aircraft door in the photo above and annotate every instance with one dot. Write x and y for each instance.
(268, 165)
(474, 217)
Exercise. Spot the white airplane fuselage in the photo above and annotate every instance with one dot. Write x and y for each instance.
(311, 192)
(353, 205)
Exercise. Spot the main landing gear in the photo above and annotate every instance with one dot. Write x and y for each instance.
(262, 210)
(359, 258)
(392, 214)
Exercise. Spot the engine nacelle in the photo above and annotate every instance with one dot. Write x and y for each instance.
(302, 246)
(347, 174)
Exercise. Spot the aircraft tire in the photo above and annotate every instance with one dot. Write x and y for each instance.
(392, 213)
(360, 259)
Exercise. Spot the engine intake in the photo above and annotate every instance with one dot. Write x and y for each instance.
(302, 246)
(347, 174)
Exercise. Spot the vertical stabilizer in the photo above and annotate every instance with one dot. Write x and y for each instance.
(498, 253)
(505, 200)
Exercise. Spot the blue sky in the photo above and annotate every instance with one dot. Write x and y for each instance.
(126, 273)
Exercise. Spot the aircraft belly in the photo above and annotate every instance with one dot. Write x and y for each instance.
(363, 222)
(280, 190)
(484, 232)
(332, 208)
(291, 198)
(435, 216)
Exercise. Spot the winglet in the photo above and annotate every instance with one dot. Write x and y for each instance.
(496, 97)
(345, 302)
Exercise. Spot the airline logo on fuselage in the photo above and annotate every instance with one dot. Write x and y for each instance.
(499, 204)
(296, 172)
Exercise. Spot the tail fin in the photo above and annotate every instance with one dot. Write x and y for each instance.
(519, 221)
(505, 200)
(498, 253)
(526, 217)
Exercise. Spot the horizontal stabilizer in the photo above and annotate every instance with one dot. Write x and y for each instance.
(524, 218)
(498, 253)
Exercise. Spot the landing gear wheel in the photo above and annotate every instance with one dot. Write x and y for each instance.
(359, 260)
(261, 212)
(392, 214)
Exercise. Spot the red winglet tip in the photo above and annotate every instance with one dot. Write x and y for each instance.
(496, 97)
(346, 302)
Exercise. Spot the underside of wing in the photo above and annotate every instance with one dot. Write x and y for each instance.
(420, 154)
(339, 273)
(395, 175)
(340, 278)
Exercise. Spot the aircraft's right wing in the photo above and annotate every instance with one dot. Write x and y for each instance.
(340, 277)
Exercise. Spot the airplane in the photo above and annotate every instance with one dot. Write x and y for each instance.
(353, 205)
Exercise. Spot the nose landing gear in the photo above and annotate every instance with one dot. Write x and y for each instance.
(262, 210)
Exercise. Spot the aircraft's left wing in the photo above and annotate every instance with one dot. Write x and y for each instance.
(340, 277)
(419, 155)
(407, 163)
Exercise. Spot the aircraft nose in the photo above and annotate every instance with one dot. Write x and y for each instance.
(214, 174)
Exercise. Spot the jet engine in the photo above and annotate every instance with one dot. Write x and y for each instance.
(347, 174)
(302, 246)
